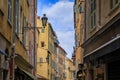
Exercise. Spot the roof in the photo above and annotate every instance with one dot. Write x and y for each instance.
(62, 49)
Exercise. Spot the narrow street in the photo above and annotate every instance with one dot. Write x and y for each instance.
(59, 39)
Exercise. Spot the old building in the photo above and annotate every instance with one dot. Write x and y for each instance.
(46, 51)
(70, 69)
(77, 55)
(102, 39)
(6, 28)
(61, 63)
(14, 40)
(32, 24)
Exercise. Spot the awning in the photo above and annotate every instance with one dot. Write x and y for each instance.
(41, 77)
(29, 74)
(2, 52)
(105, 49)
(20, 59)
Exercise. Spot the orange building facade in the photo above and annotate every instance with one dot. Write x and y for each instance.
(79, 34)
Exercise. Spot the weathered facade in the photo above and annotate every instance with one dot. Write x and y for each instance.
(61, 63)
(102, 40)
(14, 40)
(32, 24)
(6, 30)
(79, 34)
(70, 69)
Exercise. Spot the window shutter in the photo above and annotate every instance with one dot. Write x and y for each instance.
(41, 60)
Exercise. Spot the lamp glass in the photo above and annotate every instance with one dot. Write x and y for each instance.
(44, 20)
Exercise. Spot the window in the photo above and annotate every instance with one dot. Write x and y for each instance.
(80, 8)
(41, 60)
(42, 44)
(24, 31)
(7, 52)
(28, 2)
(93, 13)
(17, 16)
(42, 30)
(75, 8)
(9, 10)
(113, 3)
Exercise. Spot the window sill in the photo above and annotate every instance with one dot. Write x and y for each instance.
(92, 29)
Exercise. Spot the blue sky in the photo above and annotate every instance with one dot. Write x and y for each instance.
(60, 15)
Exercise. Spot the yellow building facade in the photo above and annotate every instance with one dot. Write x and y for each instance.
(46, 51)
(6, 32)
(14, 40)
(70, 69)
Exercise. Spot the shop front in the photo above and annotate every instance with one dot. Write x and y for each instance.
(23, 69)
(104, 62)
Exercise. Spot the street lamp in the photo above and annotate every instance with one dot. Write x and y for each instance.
(44, 20)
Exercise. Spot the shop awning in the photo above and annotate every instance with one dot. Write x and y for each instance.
(41, 77)
(29, 74)
(105, 49)
(20, 59)
(2, 52)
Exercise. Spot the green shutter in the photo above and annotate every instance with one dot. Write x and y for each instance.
(42, 30)
(41, 60)
(93, 13)
(24, 31)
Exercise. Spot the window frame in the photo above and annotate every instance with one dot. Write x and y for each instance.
(113, 3)
(41, 60)
(42, 30)
(93, 14)
(10, 11)
(24, 31)
(17, 16)
(42, 44)
(80, 9)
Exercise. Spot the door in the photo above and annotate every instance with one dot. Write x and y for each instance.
(113, 70)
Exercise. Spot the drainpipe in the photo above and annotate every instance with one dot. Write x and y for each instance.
(34, 24)
(12, 64)
(34, 6)
(84, 30)
(85, 23)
